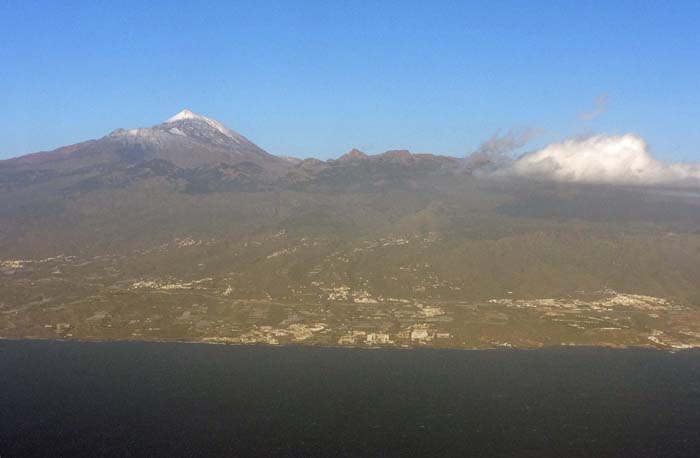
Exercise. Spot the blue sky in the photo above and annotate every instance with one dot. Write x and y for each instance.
(313, 78)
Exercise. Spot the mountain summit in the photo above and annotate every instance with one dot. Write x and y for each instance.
(186, 114)
(186, 117)
(191, 140)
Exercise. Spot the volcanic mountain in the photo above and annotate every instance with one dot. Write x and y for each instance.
(186, 140)
(188, 230)
(191, 178)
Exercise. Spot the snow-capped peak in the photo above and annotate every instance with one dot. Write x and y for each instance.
(187, 114)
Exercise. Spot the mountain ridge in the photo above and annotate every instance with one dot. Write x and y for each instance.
(188, 118)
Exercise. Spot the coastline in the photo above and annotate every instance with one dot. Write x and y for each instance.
(653, 348)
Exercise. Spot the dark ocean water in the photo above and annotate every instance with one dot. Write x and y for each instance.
(64, 399)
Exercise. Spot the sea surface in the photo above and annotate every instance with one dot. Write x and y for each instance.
(125, 399)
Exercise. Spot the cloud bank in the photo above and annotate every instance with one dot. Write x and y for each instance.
(602, 159)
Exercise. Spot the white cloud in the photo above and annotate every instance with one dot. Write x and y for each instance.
(603, 159)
